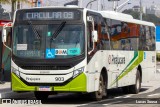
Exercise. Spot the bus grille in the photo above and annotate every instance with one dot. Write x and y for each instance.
(46, 67)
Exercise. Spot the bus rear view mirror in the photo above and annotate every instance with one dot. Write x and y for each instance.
(4, 35)
(95, 36)
(90, 19)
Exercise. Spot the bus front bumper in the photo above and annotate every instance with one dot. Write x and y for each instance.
(78, 84)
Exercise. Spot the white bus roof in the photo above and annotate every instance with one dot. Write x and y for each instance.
(123, 17)
(115, 15)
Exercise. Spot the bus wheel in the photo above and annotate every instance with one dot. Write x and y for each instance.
(41, 95)
(137, 86)
(99, 94)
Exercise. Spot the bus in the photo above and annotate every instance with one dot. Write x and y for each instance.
(71, 49)
(5, 55)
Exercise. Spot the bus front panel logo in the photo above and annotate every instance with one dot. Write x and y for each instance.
(60, 51)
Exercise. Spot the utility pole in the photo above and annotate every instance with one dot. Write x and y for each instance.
(18, 5)
(80, 3)
(114, 5)
(99, 5)
(91, 6)
(141, 13)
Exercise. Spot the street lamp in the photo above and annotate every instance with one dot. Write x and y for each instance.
(99, 4)
(90, 2)
(122, 5)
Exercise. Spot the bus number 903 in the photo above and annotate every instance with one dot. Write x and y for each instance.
(59, 78)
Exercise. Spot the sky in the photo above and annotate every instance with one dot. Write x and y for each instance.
(107, 5)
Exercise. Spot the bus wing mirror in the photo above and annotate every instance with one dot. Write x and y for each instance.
(4, 39)
(4, 35)
(90, 19)
(95, 36)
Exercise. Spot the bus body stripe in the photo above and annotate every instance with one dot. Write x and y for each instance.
(137, 59)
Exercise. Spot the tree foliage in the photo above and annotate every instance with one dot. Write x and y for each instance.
(146, 17)
(4, 1)
(3, 14)
(13, 4)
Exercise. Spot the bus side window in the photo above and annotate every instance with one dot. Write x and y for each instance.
(104, 32)
(141, 37)
(153, 38)
(89, 36)
(115, 34)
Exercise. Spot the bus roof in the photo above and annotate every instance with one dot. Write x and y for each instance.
(115, 15)
(124, 17)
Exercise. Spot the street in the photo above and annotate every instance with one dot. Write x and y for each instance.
(149, 96)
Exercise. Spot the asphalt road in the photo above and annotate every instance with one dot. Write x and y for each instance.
(116, 98)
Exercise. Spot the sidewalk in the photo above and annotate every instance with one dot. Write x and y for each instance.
(6, 92)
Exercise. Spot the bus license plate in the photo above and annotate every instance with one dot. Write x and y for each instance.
(44, 88)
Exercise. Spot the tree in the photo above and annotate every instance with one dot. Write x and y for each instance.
(4, 1)
(146, 17)
(3, 14)
(13, 4)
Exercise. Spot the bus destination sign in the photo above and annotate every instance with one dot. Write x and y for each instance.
(48, 16)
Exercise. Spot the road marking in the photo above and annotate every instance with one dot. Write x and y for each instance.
(82, 105)
(118, 97)
(112, 103)
(154, 94)
(95, 102)
(127, 96)
(122, 97)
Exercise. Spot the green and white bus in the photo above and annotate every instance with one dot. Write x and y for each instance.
(71, 49)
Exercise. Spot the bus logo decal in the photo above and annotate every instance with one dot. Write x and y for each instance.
(60, 51)
(74, 51)
(50, 53)
(116, 60)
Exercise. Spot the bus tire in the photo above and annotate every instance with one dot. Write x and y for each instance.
(137, 86)
(41, 95)
(98, 95)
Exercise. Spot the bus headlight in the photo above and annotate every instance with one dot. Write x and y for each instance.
(78, 72)
(15, 71)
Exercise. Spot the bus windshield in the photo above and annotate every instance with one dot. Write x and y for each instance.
(69, 41)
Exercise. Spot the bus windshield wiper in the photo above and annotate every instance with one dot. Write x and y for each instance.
(57, 31)
(34, 30)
